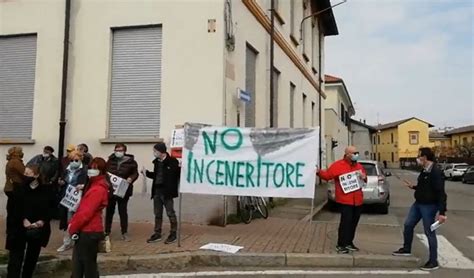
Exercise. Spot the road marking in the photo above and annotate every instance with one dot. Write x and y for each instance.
(274, 272)
(448, 255)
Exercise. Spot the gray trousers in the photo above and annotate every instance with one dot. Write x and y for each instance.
(160, 202)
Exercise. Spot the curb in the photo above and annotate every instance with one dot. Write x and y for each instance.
(183, 260)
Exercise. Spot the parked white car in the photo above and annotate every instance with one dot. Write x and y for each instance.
(455, 170)
(376, 190)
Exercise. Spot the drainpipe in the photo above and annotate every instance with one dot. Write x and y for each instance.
(272, 73)
(62, 118)
(320, 99)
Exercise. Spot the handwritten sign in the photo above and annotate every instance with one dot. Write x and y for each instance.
(227, 248)
(177, 138)
(72, 198)
(119, 185)
(249, 161)
(350, 182)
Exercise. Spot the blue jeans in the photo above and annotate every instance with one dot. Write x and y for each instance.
(427, 213)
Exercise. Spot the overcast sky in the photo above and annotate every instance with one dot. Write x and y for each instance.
(404, 58)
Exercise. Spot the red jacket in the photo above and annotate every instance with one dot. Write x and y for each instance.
(88, 217)
(337, 169)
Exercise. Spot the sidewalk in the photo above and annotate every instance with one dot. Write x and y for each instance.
(273, 235)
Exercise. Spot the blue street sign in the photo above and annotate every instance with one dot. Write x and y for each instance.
(244, 96)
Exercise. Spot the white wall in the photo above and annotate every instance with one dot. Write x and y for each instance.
(46, 19)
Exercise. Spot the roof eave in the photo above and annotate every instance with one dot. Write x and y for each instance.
(326, 19)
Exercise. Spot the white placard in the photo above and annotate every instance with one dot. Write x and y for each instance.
(350, 182)
(72, 198)
(119, 185)
(227, 248)
(249, 161)
(177, 138)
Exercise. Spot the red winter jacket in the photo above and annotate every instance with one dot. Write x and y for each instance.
(337, 169)
(88, 217)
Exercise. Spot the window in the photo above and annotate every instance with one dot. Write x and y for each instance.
(464, 141)
(378, 139)
(315, 49)
(292, 104)
(393, 157)
(391, 138)
(293, 22)
(136, 82)
(17, 85)
(370, 169)
(304, 30)
(312, 113)
(274, 100)
(342, 112)
(414, 137)
(304, 110)
(472, 139)
(250, 84)
(455, 142)
(374, 140)
(378, 156)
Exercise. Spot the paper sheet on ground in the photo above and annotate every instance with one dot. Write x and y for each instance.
(227, 248)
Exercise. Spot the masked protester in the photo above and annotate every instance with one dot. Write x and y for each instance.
(86, 223)
(165, 187)
(123, 165)
(349, 201)
(76, 176)
(66, 160)
(49, 166)
(84, 149)
(430, 199)
(14, 169)
(29, 229)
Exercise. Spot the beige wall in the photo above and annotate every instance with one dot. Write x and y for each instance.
(46, 19)
(195, 86)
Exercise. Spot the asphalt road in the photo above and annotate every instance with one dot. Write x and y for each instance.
(456, 240)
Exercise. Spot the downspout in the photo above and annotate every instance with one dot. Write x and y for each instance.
(272, 73)
(320, 99)
(62, 118)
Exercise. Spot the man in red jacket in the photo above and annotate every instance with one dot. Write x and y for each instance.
(347, 174)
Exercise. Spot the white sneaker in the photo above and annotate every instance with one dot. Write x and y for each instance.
(64, 248)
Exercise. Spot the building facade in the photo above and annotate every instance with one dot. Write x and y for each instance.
(361, 138)
(398, 142)
(134, 71)
(338, 112)
(462, 136)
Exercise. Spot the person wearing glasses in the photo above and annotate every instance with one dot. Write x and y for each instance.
(349, 195)
(76, 176)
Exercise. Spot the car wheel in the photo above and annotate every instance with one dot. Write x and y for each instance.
(383, 208)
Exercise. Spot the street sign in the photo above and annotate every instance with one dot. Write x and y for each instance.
(243, 95)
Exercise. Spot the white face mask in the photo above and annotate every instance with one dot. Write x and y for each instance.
(75, 165)
(46, 155)
(418, 161)
(93, 172)
(119, 154)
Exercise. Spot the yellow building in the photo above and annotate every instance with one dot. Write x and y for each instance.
(438, 139)
(461, 136)
(399, 142)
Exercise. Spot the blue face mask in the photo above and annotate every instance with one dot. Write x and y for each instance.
(355, 157)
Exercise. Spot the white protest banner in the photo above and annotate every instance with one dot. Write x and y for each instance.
(119, 185)
(350, 182)
(249, 161)
(72, 198)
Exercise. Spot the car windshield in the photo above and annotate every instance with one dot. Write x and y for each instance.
(370, 168)
(461, 167)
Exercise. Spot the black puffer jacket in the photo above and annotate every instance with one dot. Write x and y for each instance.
(171, 174)
(125, 167)
(430, 189)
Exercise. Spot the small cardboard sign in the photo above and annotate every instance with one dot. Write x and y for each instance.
(350, 182)
(72, 198)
